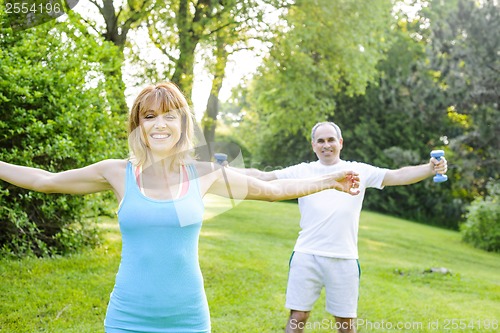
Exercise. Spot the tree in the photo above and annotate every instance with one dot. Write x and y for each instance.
(176, 31)
(324, 47)
(185, 29)
(397, 122)
(209, 121)
(465, 48)
(118, 21)
(235, 32)
(437, 88)
(55, 116)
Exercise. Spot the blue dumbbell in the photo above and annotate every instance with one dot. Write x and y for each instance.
(220, 158)
(439, 178)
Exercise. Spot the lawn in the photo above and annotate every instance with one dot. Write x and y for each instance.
(244, 255)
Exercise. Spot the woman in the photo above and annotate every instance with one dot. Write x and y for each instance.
(159, 286)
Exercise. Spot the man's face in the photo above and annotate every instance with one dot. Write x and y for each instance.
(327, 145)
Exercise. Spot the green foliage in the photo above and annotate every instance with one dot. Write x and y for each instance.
(397, 122)
(436, 88)
(324, 47)
(56, 117)
(464, 50)
(482, 225)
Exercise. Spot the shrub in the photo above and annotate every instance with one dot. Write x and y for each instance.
(482, 225)
(55, 116)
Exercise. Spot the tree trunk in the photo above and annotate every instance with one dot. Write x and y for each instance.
(209, 122)
(112, 67)
(183, 74)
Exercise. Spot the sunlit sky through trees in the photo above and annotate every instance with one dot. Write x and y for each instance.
(241, 65)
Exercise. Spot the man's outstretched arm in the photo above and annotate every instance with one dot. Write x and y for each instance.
(414, 174)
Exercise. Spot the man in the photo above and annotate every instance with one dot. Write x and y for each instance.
(326, 254)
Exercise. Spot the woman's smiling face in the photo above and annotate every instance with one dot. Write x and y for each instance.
(161, 125)
(161, 131)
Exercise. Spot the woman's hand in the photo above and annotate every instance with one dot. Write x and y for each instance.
(346, 181)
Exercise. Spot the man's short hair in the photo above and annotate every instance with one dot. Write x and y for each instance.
(337, 129)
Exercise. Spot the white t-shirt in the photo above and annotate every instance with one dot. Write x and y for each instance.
(330, 219)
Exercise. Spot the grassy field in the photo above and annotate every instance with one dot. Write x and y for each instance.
(244, 255)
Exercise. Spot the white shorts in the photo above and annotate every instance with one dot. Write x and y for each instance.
(310, 273)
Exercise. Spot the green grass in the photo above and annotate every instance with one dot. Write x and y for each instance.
(244, 255)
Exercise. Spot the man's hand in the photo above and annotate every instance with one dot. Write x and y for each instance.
(440, 166)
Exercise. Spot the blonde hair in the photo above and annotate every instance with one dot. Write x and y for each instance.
(163, 97)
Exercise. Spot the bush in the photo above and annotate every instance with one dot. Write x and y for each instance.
(482, 226)
(55, 116)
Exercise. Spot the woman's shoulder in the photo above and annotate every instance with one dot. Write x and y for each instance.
(114, 163)
(201, 165)
(113, 166)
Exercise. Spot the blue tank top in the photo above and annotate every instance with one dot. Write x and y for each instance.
(159, 285)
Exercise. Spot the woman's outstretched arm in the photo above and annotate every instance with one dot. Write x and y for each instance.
(234, 184)
(89, 179)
